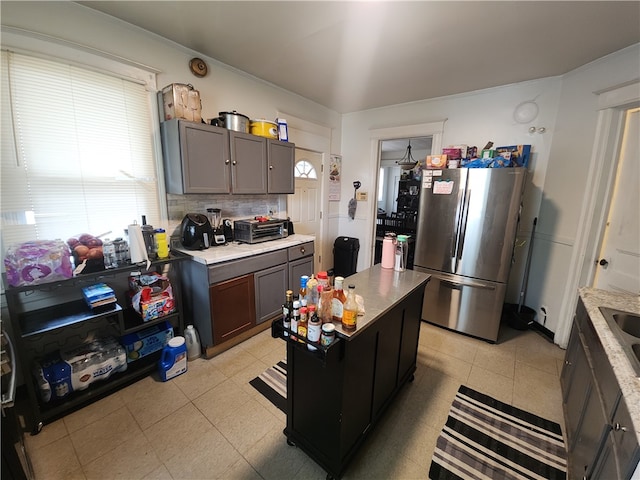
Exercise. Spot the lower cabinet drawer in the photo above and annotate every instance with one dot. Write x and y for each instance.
(299, 251)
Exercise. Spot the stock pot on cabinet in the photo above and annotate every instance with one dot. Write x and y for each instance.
(232, 121)
(264, 128)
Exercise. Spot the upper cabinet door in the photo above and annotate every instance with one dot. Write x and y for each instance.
(196, 157)
(248, 163)
(281, 163)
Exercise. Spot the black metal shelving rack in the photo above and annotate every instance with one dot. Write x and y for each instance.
(61, 313)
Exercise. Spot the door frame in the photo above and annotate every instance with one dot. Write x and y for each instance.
(613, 104)
(317, 138)
(435, 130)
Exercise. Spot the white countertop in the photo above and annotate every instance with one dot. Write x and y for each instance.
(236, 250)
(622, 368)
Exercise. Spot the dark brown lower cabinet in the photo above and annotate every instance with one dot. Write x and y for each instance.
(232, 307)
(336, 396)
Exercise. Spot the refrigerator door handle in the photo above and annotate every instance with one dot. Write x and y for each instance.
(463, 224)
(456, 233)
(467, 283)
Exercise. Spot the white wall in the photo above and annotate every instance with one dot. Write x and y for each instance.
(472, 118)
(557, 179)
(565, 185)
(223, 89)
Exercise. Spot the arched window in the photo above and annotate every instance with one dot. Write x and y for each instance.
(304, 169)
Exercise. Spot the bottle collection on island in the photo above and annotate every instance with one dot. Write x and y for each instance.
(312, 315)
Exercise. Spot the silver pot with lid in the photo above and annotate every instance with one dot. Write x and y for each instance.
(232, 121)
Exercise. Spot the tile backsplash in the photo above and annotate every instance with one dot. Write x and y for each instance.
(235, 207)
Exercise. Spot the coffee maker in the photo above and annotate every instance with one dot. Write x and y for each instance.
(215, 219)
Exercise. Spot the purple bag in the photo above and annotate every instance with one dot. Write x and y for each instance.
(37, 261)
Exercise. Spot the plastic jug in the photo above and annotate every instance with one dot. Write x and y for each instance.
(173, 361)
(192, 340)
(388, 250)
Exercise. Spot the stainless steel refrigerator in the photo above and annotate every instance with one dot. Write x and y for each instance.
(467, 225)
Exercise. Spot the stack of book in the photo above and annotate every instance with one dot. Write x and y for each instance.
(99, 295)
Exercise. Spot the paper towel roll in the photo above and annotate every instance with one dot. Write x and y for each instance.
(136, 245)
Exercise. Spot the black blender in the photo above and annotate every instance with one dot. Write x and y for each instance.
(215, 218)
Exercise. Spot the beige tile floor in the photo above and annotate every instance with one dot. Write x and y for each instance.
(211, 424)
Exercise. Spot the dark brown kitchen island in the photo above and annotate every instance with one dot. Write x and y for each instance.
(336, 394)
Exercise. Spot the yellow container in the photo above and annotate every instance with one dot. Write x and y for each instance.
(264, 128)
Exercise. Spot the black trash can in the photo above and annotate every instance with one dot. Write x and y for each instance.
(345, 256)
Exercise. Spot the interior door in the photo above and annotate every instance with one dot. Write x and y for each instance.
(305, 205)
(619, 261)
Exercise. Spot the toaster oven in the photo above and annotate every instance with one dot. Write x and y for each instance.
(256, 231)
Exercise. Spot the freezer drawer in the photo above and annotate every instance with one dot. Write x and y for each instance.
(463, 304)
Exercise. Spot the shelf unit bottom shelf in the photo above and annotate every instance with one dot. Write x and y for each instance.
(135, 371)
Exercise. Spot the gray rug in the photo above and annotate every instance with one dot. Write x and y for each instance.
(272, 383)
(485, 438)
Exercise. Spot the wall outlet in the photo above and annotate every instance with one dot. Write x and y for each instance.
(543, 314)
(361, 196)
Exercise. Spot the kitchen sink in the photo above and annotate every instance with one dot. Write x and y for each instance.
(626, 328)
(628, 322)
(636, 350)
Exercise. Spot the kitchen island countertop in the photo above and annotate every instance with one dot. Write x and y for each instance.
(381, 289)
(237, 250)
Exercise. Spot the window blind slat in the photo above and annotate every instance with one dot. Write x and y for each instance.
(81, 159)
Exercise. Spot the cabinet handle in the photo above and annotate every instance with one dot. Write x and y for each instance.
(234, 162)
(226, 162)
(567, 362)
(302, 250)
(270, 167)
(618, 427)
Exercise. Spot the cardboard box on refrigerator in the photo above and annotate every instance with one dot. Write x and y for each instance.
(437, 161)
(519, 154)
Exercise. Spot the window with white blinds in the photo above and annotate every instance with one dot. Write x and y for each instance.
(77, 152)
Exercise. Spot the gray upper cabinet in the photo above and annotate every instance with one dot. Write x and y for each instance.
(201, 158)
(248, 163)
(281, 157)
(196, 157)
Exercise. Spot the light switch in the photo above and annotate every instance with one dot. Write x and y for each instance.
(361, 196)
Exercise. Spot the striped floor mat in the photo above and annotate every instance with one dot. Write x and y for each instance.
(272, 383)
(487, 439)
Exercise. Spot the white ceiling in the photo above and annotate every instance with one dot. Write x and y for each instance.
(351, 56)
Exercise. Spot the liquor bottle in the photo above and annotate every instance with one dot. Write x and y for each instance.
(339, 298)
(295, 318)
(315, 327)
(287, 311)
(302, 324)
(350, 312)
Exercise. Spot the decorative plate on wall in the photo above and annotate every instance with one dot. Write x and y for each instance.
(198, 67)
